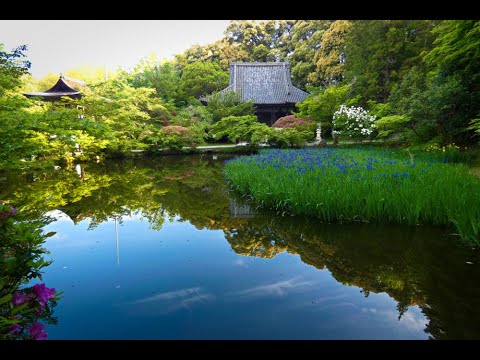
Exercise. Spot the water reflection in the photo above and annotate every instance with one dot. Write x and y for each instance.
(117, 247)
(278, 288)
(171, 301)
(416, 266)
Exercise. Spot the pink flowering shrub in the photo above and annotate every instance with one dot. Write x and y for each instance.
(30, 305)
(22, 308)
(291, 122)
(305, 127)
(7, 211)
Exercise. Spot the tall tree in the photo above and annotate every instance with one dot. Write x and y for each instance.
(249, 34)
(454, 63)
(305, 39)
(221, 52)
(379, 52)
(162, 76)
(330, 58)
(12, 66)
(202, 78)
(457, 48)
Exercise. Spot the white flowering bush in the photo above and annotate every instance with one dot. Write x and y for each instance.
(353, 122)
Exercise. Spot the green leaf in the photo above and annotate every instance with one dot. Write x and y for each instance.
(5, 299)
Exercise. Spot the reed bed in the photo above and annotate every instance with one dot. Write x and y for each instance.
(361, 184)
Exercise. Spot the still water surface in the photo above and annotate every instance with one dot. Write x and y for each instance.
(160, 249)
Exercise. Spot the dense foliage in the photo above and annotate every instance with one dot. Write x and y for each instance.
(21, 261)
(422, 74)
(419, 79)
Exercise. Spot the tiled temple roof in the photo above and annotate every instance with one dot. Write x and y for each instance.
(263, 83)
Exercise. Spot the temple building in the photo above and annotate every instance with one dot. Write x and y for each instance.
(64, 87)
(268, 85)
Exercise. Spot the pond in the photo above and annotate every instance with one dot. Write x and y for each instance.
(158, 248)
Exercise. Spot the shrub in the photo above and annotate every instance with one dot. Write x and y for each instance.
(391, 124)
(177, 137)
(21, 261)
(353, 122)
(292, 122)
(305, 128)
(287, 137)
(241, 128)
(228, 103)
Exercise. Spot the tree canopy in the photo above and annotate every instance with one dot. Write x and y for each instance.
(419, 78)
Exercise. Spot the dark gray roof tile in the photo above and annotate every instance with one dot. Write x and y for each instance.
(264, 83)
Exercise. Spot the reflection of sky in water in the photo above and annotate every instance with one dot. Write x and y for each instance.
(181, 282)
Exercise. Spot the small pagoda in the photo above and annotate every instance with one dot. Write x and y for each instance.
(64, 87)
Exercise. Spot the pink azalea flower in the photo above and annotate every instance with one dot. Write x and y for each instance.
(15, 328)
(18, 298)
(37, 331)
(7, 214)
(43, 293)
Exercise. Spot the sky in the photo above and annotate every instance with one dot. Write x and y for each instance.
(59, 45)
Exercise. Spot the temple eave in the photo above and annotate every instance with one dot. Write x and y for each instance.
(52, 94)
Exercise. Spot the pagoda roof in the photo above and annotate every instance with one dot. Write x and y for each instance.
(63, 87)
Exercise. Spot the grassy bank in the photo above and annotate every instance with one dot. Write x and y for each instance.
(374, 185)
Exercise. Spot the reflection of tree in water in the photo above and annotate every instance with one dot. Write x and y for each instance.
(252, 241)
(190, 187)
(415, 266)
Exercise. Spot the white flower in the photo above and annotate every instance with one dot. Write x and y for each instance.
(355, 120)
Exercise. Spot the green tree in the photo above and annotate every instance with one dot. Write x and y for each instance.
(132, 114)
(330, 59)
(380, 52)
(321, 104)
(244, 40)
(454, 64)
(14, 112)
(202, 78)
(305, 39)
(12, 66)
(410, 99)
(221, 52)
(391, 124)
(475, 126)
(228, 103)
(177, 137)
(162, 76)
(240, 128)
(254, 36)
